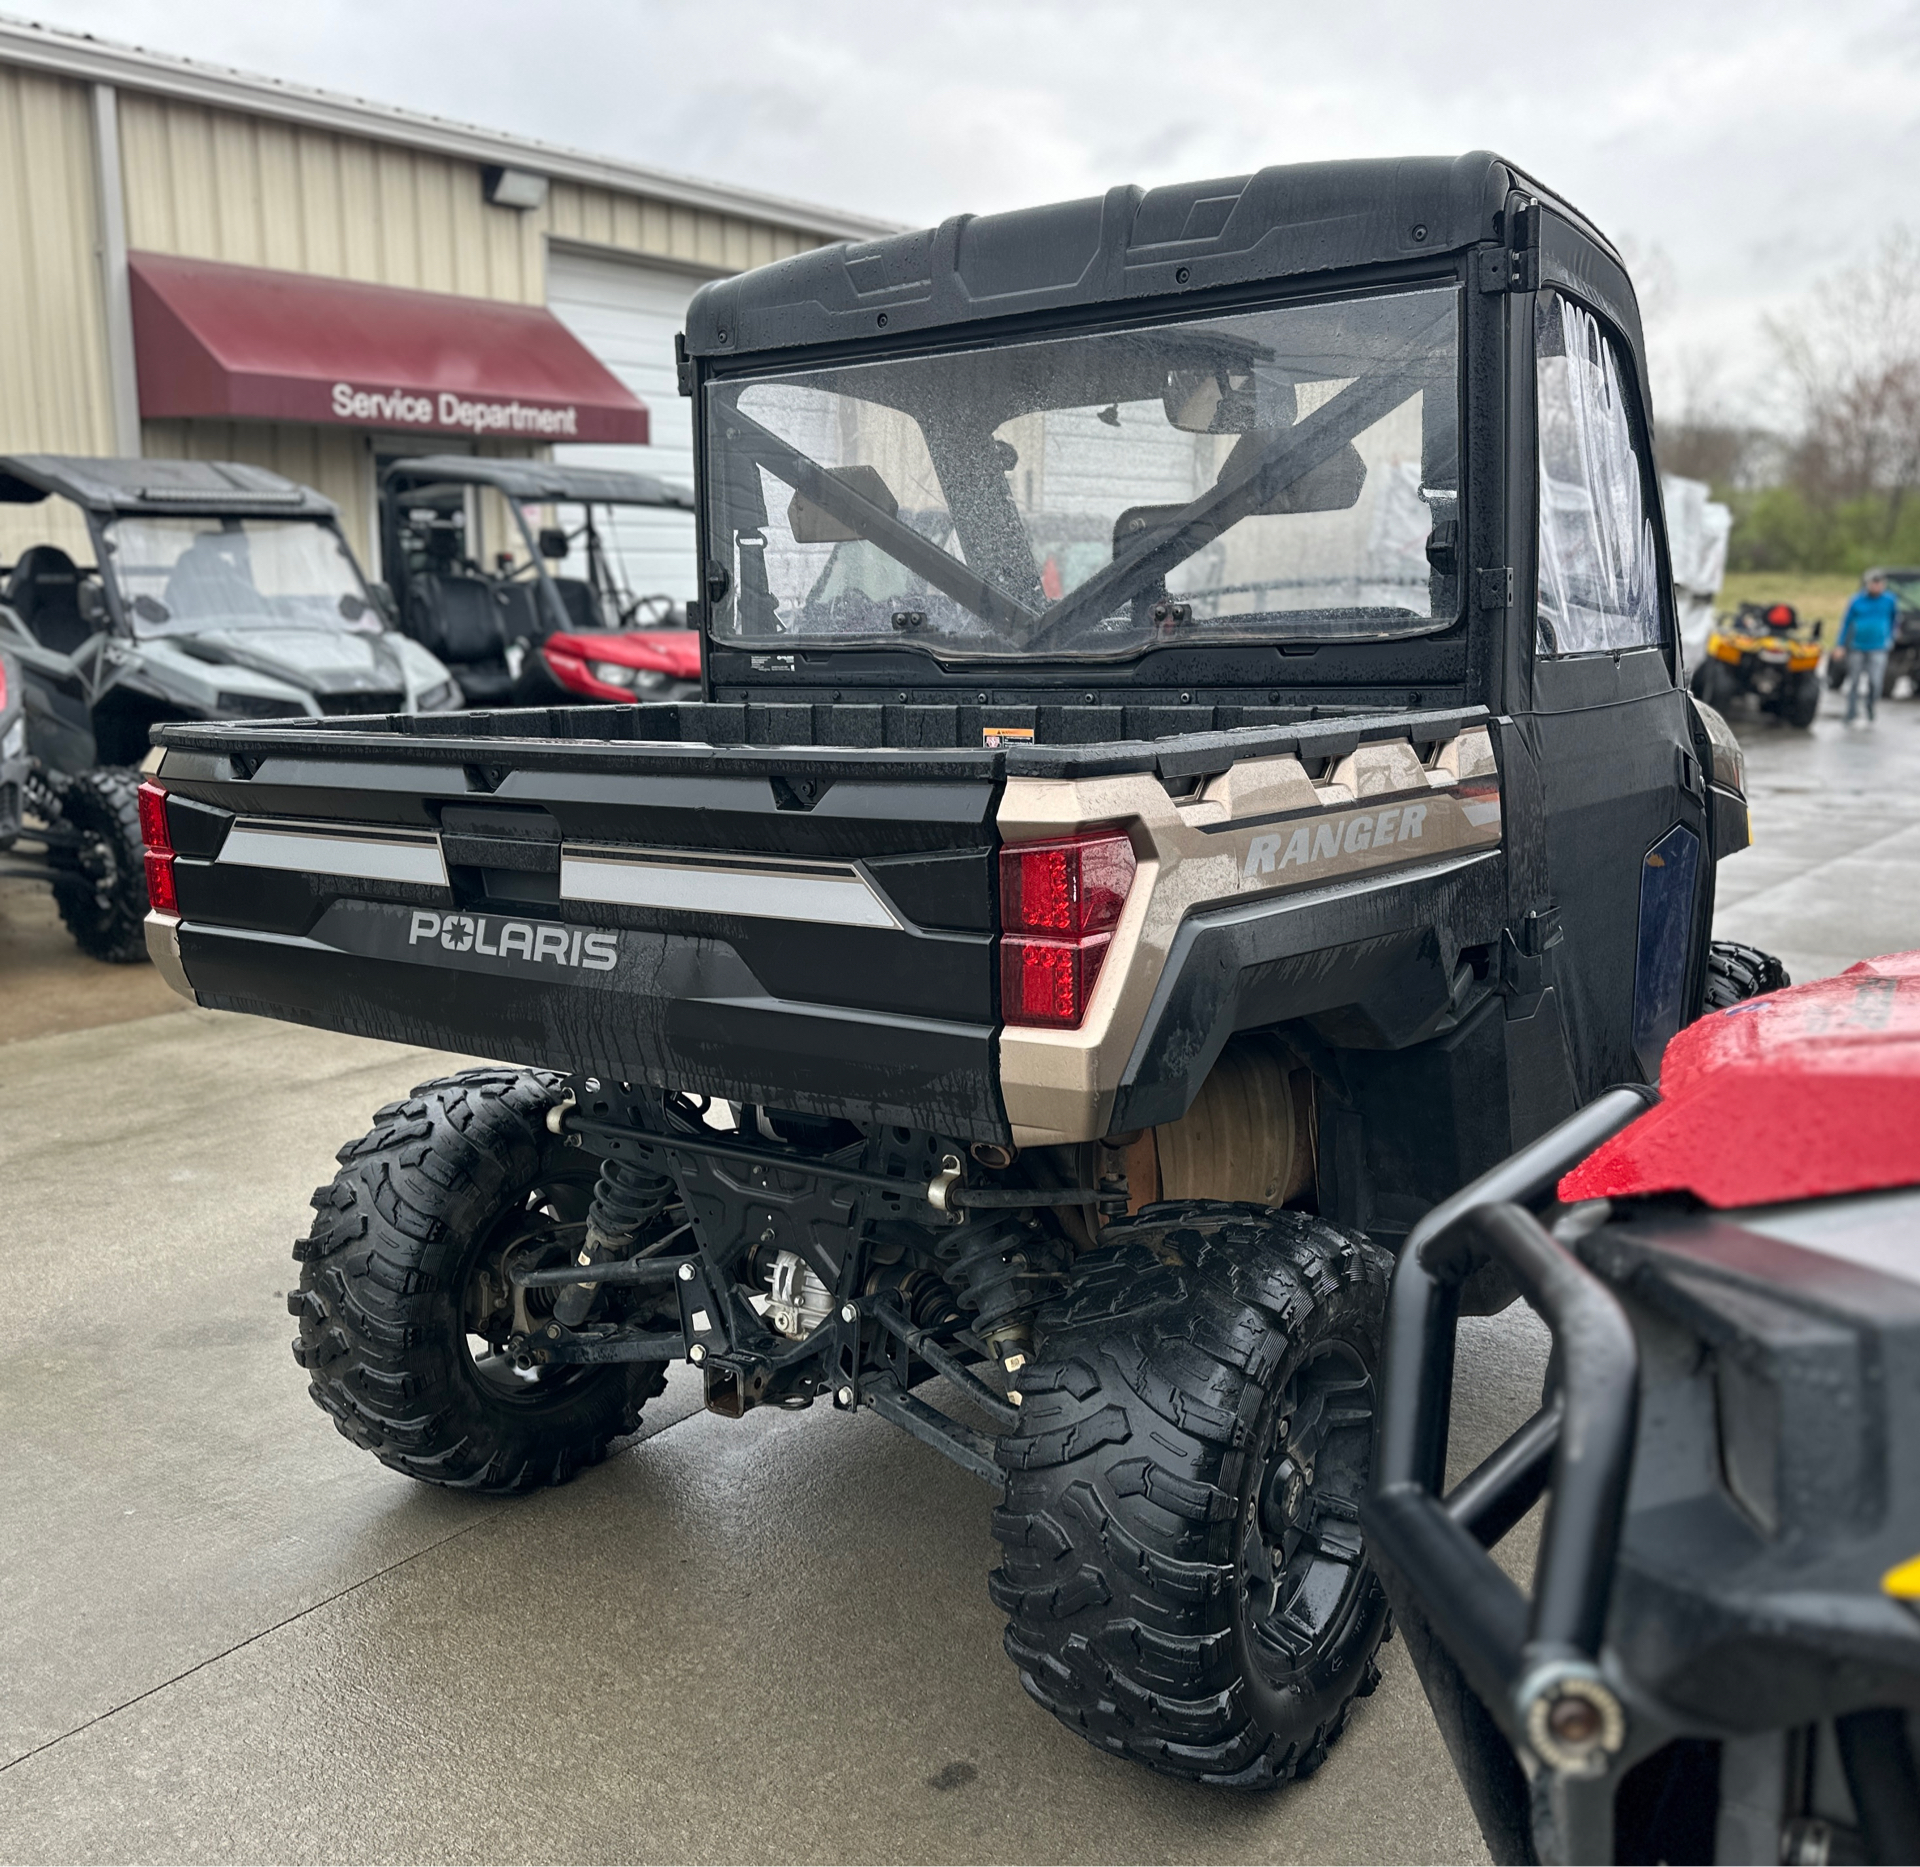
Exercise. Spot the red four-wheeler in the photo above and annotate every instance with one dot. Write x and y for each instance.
(1719, 1656)
(1192, 768)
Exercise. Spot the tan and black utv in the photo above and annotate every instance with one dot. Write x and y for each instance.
(1192, 767)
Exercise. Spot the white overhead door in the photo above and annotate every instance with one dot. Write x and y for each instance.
(626, 313)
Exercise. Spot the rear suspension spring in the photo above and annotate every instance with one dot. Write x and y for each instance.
(627, 1198)
(1005, 1269)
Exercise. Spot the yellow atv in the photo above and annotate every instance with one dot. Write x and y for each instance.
(1760, 650)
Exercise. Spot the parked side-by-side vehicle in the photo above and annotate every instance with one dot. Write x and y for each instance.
(1718, 1657)
(214, 591)
(1192, 767)
(560, 621)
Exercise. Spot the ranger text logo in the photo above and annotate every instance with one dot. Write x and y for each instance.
(1320, 842)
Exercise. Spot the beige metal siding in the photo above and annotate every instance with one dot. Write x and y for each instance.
(209, 184)
(654, 229)
(53, 356)
(335, 461)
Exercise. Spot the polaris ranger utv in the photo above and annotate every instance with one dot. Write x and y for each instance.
(1193, 768)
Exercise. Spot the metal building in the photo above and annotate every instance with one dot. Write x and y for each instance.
(207, 264)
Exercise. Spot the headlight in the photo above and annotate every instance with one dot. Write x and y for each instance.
(15, 743)
(614, 673)
(441, 699)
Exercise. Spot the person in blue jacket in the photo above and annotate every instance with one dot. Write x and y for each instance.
(1866, 633)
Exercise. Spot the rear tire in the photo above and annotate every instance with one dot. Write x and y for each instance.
(1717, 685)
(102, 895)
(402, 1288)
(1801, 701)
(1736, 973)
(1182, 1564)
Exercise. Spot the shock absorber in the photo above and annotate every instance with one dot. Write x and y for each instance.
(1005, 1269)
(626, 1199)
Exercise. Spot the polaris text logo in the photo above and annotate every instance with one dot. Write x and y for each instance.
(1319, 842)
(401, 409)
(530, 940)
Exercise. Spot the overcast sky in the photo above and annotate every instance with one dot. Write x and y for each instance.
(1739, 149)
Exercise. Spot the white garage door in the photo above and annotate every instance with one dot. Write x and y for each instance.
(627, 314)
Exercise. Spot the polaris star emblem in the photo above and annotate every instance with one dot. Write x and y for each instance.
(537, 941)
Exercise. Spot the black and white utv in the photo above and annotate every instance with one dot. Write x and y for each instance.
(216, 591)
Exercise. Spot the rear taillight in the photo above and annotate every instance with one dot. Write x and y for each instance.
(158, 838)
(1059, 903)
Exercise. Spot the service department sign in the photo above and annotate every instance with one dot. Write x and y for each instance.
(444, 411)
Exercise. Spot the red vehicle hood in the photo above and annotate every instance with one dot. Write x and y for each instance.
(660, 651)
(1799, 1094)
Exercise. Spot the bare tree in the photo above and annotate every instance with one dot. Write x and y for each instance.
(1851, 358)
(1700, 432)
(1702, 435)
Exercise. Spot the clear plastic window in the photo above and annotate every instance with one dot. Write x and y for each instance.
(1599, 572)
(1280, 475)
(182, 575)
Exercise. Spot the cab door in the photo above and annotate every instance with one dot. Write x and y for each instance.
(1623, 790)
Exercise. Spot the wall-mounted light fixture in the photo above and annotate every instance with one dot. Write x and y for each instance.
(513, 187)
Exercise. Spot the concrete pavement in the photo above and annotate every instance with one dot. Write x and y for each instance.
(225, 1634)
(1834, 873)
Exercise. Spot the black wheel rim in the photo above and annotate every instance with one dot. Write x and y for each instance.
(1301, 1560)
(101, 882)
(542, 1228)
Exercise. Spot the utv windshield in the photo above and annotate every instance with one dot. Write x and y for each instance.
(183, 576)
(1281, 475)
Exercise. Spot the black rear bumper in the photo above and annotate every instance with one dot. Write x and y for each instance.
(676, 1009)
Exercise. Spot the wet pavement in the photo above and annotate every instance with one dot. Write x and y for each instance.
(1834, 871)
(227, 1635)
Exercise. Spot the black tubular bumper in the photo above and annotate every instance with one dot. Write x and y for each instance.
(1506, 1673)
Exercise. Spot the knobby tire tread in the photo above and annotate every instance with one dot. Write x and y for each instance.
(1118, 1528)
(382, 1281)
(106, 799)
(1737, 972)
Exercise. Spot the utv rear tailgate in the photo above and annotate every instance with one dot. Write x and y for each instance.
(812, 934)
(805, 926)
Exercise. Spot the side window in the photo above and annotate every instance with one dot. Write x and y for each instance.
(1599, 574)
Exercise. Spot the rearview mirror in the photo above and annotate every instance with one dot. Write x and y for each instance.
(553, 543)
(1228, 399)
(813, 524)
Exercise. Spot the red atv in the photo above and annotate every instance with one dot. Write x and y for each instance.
(1720, 1656)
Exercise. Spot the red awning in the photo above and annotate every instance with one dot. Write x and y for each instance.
(242, 342)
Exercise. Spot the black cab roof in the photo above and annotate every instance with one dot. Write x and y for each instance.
(108, 486)
(530, 480)
(1129, 243)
